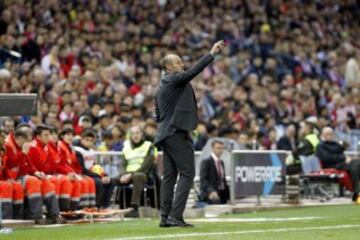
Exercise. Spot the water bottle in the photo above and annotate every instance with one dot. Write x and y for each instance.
(254, 143)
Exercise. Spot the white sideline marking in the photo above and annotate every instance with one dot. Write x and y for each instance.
(255, 219)
(196, 234)
(53, 225)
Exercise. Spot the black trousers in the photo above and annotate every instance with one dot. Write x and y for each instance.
(103, 193)
(293, 169)
(178, 160)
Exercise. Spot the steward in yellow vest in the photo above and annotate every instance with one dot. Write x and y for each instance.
(139, 156)
(307, 145)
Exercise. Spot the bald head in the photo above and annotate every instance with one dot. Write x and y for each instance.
(172, 63)
(291, 131)
(327, 134)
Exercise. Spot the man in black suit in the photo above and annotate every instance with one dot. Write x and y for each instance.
(176, 114)
(213, 187)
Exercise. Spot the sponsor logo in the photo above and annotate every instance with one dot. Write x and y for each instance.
(258, 174)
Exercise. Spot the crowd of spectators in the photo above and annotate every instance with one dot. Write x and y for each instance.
(97, 64)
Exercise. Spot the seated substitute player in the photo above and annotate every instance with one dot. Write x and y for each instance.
(11, 191)
(38, 189)
(40, 157)
(70, 165)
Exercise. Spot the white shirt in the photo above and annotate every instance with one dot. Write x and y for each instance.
(217, 164)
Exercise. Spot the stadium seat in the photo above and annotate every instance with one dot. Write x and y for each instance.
(123, 191)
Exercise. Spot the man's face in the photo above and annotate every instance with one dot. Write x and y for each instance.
(328, 135)
(86, 124)
(45, 136)
(88, 142)
(9, 126)
(53, 137)
(105, 122)
(20, 141)
(51, 118)
(176, 64)
(218, 149)
(136, 134)
(68, 138)
(307, 128)
(150, 131)
(243, 139)
(291, 131)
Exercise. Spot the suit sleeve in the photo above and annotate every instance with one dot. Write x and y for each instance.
(157, 112)
(205, 184)
(85, 171)
(331, 158)
(186, 76)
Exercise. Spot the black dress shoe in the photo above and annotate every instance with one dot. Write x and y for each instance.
(354, 197)
(173, 222)
(163, 222)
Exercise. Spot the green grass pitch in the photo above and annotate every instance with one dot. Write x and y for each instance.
(333, 222)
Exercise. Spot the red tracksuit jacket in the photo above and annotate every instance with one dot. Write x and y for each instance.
(59, 166)
(68, 157)
(38, 156)
(2, 170)
(16, 163)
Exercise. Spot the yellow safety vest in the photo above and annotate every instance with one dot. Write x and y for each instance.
(135, 156)
(313, 139)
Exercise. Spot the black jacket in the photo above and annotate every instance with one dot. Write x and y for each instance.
(209, 178)
(331, 154)
(175, 101)
(81, 159)
(284, 143)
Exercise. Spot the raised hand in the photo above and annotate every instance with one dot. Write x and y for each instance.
(217, 47)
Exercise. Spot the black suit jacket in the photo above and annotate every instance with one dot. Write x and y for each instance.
(209, 178)
(175, 102)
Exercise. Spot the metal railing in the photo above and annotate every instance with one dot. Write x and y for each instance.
(113, 162)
